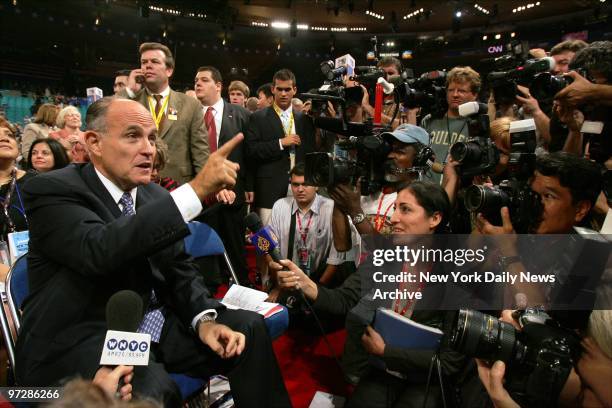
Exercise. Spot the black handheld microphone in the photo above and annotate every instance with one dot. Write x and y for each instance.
(124, 311)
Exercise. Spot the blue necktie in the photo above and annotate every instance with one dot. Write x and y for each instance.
(153, 320)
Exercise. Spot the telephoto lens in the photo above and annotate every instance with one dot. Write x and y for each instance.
(485, 199)
(466, 152)
(483, 336)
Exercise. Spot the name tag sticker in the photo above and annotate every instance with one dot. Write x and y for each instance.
(172, 117)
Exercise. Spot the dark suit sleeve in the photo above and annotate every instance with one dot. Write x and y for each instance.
(198, 140)
(341, 300)
(86, 244)
(260, 146)
(248, 173)
(80, 239)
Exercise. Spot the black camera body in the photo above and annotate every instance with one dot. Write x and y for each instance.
(427, 92)
(539, 357)
(504, 83)
(477, 156)
(515, 193)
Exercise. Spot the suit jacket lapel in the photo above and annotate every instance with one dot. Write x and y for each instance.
(226, 123)
(96, 186)
(276, 122)
(174, 104)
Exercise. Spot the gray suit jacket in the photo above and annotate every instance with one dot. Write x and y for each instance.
(186, 137)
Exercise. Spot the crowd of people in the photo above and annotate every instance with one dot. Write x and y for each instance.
(107, 203)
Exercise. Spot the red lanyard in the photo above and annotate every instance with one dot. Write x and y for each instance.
(402, 287)
(379, 222)
(303, 233)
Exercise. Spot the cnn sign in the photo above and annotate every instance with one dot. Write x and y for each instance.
(494, 49)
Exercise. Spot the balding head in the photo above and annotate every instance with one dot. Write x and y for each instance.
(120, 138)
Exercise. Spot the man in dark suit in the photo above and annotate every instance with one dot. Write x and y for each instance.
(277, 138)
(102, 227)
(223, 120)
(179, 118)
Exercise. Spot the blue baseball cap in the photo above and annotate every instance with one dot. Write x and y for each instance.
(407, 133)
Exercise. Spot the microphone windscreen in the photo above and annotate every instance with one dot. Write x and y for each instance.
(124, 311)
(253, 222)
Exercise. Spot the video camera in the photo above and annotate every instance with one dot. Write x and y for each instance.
(427, 92)
(360, 147)
(515, 193)
(504, 83)
(539, 357)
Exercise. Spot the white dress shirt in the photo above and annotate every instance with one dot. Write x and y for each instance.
(186, 201)
(217, 115)
(285, 119)
(165, 94)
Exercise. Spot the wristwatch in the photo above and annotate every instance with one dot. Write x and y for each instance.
(358, 218)
(205, 318)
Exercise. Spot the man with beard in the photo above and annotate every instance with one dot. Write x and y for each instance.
(372, 213)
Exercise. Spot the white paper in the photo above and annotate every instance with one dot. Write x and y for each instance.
(240, 297)
(325, 400)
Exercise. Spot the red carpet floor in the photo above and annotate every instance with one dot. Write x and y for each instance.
(305, 360)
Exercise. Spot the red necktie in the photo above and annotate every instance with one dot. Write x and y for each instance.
(209, 120)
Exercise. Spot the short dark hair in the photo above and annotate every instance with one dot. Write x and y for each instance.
(390, 61)
(581, 176)
(432, 197)
(283, 75)
(60, 157)
(266, 89)
(148, 46)
(123, 72)
(297, 170)
(214, 73)
(596, 57)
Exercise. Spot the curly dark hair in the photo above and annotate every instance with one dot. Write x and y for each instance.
(596, 57)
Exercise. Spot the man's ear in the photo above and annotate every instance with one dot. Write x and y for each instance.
(92, 141)
(582, 209)
(169, 72)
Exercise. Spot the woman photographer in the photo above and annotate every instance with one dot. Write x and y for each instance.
(421, 209)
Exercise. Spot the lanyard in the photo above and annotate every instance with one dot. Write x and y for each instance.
(379, 222)
(158, 119)
(279, 112)
(7, 201)
(403, 286)
(303, 233)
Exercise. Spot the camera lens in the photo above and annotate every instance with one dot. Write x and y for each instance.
(465, 152)
(483, 336)
(485, 199)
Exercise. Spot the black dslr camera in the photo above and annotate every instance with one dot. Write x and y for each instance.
(539, 358)
(515, 193)
(477, 155)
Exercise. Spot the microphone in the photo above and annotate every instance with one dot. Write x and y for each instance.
(472, 108)
(264, 239)
(122, 345)
(124, 311)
